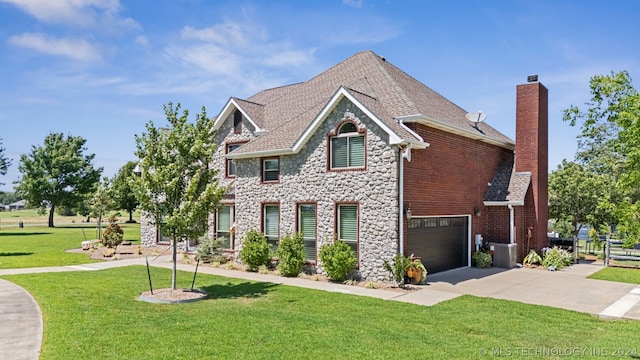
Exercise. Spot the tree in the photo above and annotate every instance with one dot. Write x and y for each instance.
(574, 195)
(57, 173)
(177, 186)
(4, 161)
(609, 145)
(122, 188)
(101, 202)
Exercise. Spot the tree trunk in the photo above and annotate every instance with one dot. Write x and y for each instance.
(130, 216)
(175, 258)
(51, 211)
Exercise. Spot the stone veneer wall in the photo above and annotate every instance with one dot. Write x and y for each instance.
(148, 231)
(304, 178)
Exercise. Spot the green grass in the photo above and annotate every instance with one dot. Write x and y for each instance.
(36, 246)
(624, 275)
(95, 315)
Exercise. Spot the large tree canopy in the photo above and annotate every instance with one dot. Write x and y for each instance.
(122, 189)
(609, 145)
(574, 195)
(57, 173)
(177, 186)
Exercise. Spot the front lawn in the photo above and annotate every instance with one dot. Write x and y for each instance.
(625, 275)
(95, 315)
(36, 246)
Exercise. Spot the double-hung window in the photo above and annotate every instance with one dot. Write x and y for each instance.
(307, 227)
(271, 224)
(347, 148)
(347, 225)
(231, 165)
(270, 170)
(224, 222)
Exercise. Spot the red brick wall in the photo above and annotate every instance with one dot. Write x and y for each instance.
(451, 177)
(532, 154)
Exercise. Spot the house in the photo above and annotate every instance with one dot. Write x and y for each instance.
(368, 154)
(18, 205)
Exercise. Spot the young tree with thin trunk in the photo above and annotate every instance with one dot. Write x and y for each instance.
(122, 187)
(176, 186)
(57, 173)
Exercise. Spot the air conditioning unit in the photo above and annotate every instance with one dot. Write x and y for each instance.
(504, 255)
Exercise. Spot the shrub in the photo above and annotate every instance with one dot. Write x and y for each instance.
(255, 250)
(556, 258)
(113, 234)
(532, 258)
(209, 250)
(481, 259)
(399, 269)
(337, 260)
(291, 255)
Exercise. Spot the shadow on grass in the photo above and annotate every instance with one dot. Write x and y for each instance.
(16, 253)
(234, 291)
(23, 233)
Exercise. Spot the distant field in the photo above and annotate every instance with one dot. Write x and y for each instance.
(31, 217)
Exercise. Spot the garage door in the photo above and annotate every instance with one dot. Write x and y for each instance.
(441, 242)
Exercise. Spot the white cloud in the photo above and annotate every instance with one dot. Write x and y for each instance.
(353, 3)
(102, 14)
(225, 33)
(72, 48)
(142, 41)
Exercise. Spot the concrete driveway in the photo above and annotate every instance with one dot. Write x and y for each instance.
(567, 289)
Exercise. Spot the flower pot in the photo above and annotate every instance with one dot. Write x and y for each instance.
(415, 275)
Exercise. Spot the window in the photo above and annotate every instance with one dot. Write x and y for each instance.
(161, 235)
(347, 225)
(347, 148)
(270, 170)
(231, 165)
(307, 227)
(237, 122)
(224, 222)
(270, 224)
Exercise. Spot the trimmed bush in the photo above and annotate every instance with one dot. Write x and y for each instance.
(481, 259)
(209, 250)
(291, 255)
(113, 234)
(556, 258)
(337, 260)
(255, 250)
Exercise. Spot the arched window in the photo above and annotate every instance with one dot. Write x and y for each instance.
(347, 148)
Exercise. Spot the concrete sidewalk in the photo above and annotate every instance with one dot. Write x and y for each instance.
(21, 321)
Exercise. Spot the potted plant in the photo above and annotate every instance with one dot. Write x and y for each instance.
(416, 270)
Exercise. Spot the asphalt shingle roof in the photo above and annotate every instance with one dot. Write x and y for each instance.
(508, 186)
(388, 92)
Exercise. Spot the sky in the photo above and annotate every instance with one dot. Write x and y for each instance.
(102, 69)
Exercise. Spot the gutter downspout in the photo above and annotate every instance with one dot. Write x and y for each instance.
(511, 224)
(401, 200)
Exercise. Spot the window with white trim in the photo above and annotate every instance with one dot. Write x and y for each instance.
(225, 218)
(307, 227)
(347, 225)
(347, 148)
(271, 224)
(270, 170)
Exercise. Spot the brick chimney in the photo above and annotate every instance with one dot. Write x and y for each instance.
(532, 154)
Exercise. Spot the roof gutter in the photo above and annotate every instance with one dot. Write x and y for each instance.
(425, 120)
